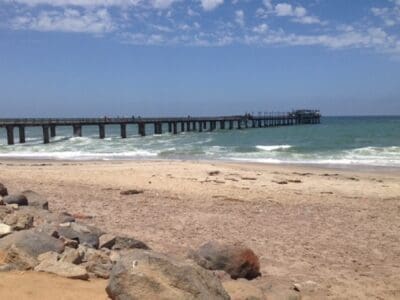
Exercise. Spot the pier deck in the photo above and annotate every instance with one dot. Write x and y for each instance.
(175, 124)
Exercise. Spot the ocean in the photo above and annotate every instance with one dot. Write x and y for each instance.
(371, 141)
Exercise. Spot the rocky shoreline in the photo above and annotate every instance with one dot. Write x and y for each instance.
(34, 238)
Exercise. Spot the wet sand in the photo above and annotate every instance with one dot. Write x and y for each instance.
(338, 228)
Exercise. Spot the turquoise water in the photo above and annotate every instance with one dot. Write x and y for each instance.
(337, 140)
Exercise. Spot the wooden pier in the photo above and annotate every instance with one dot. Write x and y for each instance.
(174, 124)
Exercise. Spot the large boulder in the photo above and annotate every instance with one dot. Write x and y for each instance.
(141, 274)
(36, 200)
(32, 242)
(16, 199)
(237, 260)
(20, 250)
(84, 234)
(3, 190)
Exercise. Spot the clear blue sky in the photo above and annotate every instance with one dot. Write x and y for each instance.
(198, 57)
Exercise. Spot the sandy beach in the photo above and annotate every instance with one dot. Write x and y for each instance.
(336, 228)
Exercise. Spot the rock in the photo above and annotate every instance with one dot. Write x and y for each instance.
(143, 274)
(19, 220)
(32, 242)
(96, 262)
(237, 260)
(16, 258)
(36, 200)
(131, 192)
(5, 230)
(83, 234)
(243, 290)
(114, 256)
(72, 256)
(63, 269)
(3, 190)
(1, 201)
(16, 199)
(13, 206)
(100, 270)
(306, 286)
(51, 255)
(124, 243)
(107, 241)
(69, 243)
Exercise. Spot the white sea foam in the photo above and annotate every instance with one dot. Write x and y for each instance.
(79, 155)
(273, 147)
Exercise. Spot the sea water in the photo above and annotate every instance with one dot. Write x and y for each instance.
(371, 141)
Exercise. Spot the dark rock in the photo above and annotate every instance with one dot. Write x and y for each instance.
(123, 243)
(131, 192)
(143, 274)
(3, 190)
(31, 242)
(36, 200)
(84, 234)
(237, 260)
(16, 199)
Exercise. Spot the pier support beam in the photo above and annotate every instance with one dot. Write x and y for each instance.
(142, 129)
(253, 123)
(77, 130)
(212, 125)
(200, 126)
(222, 124)
(46, 134)
(123, 131)
(188, 126)
(10, 135)
(169, 127)
(175, 127)
(194, 125)
(239, 124)
(21, 134)
(53, 131)
(102, 131)
(182, 126)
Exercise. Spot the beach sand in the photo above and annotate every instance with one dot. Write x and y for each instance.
(337, 229)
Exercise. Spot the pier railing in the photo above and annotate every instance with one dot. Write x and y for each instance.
(175, 124)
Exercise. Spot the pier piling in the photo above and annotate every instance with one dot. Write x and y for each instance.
(21, 134)
(102, 131)
(77, 130)
(53, 131)
(123, 131)
(46, 135)
(10, 135)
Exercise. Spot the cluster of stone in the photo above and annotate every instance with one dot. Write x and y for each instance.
(34, 238)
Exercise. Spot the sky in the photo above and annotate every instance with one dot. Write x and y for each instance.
(75, 58)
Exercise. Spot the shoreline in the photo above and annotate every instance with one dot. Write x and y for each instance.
(338, 167)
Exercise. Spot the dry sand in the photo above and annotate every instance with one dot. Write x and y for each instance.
(337, 228)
